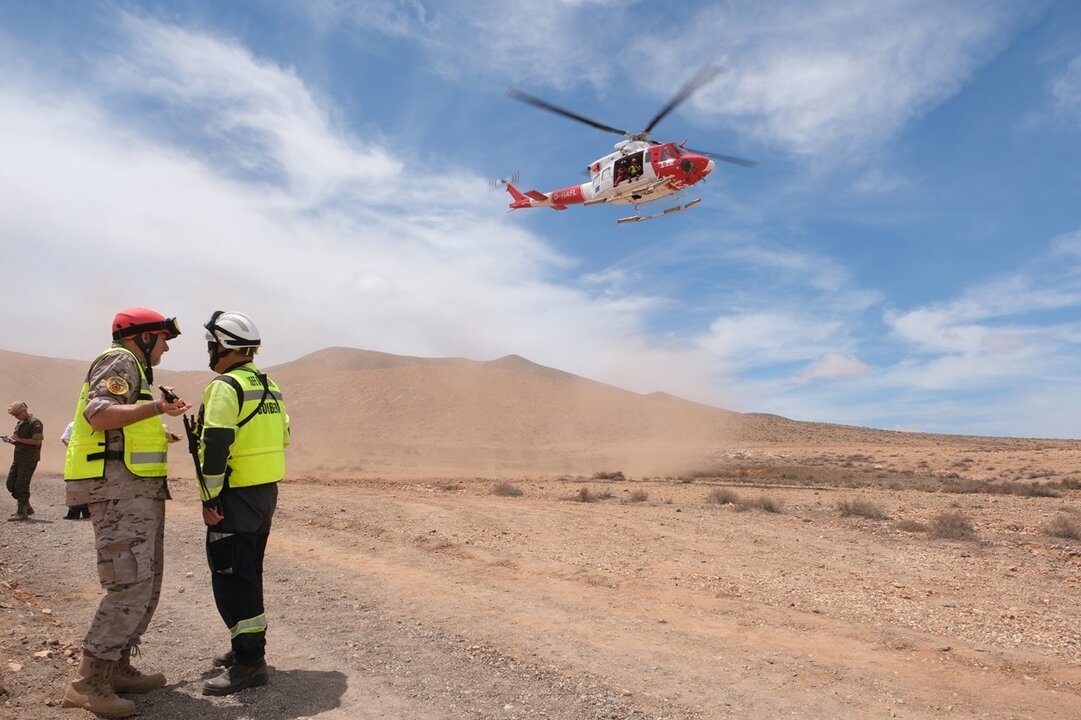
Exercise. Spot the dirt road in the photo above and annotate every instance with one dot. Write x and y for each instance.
(441, 599)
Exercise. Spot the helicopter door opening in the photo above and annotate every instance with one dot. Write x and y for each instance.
(629, 168)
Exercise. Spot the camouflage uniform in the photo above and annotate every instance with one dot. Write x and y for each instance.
(25, 459)
(128, 514)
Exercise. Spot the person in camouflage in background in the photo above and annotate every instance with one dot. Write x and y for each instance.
(26, 438)
(116, 464)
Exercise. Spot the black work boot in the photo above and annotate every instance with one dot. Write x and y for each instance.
(237, 677)
(73, 513)
(84, 512)
(225, 660)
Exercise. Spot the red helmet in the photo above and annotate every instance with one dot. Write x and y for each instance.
(135, 320)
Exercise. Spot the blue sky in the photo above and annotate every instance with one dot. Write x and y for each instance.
(907, 255)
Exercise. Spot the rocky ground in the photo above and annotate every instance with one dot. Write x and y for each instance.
(587, 598)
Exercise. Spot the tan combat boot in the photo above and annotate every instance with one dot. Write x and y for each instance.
(20, 513)
(126, 679)
(92, 689)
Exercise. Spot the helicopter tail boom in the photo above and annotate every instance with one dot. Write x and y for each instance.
(523, 200)
(557, 199)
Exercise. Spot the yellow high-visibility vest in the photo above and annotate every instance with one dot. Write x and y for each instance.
(145, 443)
(239, 400)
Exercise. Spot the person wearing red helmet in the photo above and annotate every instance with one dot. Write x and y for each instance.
(116, 464)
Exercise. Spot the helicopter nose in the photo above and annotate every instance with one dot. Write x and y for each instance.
(709, 167)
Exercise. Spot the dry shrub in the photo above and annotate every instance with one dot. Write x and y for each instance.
(862, 508)
(506, 490)
(1021, 489)
(1064, 526)
(1037, 490)
(605, 475)
(764, 502)
(722, 496)
(952, 525)
(604, 494)
(584, 495)
(638, 496)
(911, 526)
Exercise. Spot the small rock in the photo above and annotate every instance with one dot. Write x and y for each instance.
(14, 667)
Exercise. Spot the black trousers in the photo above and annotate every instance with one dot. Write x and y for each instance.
(235, 548)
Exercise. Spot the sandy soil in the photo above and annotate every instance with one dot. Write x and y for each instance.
(439, 598)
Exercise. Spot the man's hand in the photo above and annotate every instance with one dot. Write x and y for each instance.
(171, 404)
(212, 516)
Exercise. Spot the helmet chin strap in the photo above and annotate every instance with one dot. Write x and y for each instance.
(217, 352)
(147, 348)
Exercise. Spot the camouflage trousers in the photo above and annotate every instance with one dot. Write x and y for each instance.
(129, 536)
(19, 478)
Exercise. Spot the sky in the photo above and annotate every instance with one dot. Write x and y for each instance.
(906, 255)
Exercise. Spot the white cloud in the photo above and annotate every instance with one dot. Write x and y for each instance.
(841, 77)
(834, 365)
(339, 245)
(770, 337)
(1066, 91)
(1068, 245)
(833, 78)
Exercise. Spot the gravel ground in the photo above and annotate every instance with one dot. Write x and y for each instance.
(440, 599)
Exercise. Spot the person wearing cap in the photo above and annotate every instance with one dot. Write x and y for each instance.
(116, 464)
(26, 438)
(243, 431)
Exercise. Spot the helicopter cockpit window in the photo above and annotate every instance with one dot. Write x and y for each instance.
(679, 151)
(668, 153)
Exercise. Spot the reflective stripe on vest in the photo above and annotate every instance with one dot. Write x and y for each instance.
(145, 442)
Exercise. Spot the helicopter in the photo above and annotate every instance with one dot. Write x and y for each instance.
(641, 170)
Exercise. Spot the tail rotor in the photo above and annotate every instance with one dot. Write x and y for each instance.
(500, 183)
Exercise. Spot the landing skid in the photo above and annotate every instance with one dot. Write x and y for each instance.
(668, 211)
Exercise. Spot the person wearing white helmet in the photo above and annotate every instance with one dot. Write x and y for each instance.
(243, 430)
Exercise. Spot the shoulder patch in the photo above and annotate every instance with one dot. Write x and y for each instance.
(116, 385)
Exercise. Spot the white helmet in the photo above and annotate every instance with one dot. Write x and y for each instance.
(233, 330)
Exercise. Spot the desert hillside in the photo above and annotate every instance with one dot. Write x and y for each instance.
(358, 413)
(444, 549)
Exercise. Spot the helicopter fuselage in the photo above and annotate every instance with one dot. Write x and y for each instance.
(637, 172)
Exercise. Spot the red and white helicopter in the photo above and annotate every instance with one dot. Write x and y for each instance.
(641, 170)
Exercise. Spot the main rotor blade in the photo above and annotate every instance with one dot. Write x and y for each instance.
(545, 105)
(724, 158)
(704, 76)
